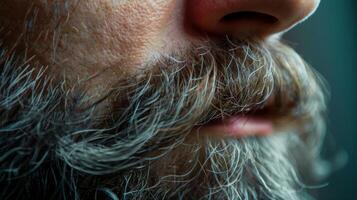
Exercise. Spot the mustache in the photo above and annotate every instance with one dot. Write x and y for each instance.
(154, 111)
(236, 78)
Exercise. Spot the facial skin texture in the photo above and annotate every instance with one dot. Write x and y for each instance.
(108, 99)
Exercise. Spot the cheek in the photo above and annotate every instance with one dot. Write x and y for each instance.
(121, 33)
(92, 37)
(120, 37)
(136, 27)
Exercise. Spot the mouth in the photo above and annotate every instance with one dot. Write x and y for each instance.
(239, 126)
(261, 122)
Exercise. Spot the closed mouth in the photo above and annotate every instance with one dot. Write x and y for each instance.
(259, 122)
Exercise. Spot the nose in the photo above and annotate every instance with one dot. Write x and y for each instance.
(246, 18)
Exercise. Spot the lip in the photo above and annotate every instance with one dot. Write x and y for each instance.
(271, 117)
(239, 126)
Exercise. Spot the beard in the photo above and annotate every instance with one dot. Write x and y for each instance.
(54, 144)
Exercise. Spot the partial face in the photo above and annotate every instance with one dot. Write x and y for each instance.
(80, 39)
(164, 98)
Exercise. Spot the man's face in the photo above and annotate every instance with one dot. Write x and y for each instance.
(158, 98)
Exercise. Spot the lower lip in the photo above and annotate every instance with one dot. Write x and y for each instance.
(239, 126)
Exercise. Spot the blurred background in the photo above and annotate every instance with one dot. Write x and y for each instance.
(328, 41)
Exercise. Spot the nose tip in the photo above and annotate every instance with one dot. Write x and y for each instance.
(247, 18)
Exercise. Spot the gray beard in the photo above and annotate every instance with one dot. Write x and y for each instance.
(251, 168)
(55, 145)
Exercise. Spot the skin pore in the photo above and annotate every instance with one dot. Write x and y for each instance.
(111, 99)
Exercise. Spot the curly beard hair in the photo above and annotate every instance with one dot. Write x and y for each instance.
(56, 146)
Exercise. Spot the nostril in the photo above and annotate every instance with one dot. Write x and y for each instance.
(249, 16)
(245, 18)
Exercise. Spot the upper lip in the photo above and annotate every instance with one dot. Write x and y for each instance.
(274, 109)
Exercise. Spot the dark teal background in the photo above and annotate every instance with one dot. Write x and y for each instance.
(328, 42)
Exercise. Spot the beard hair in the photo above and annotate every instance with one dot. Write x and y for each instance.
(149, 146)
